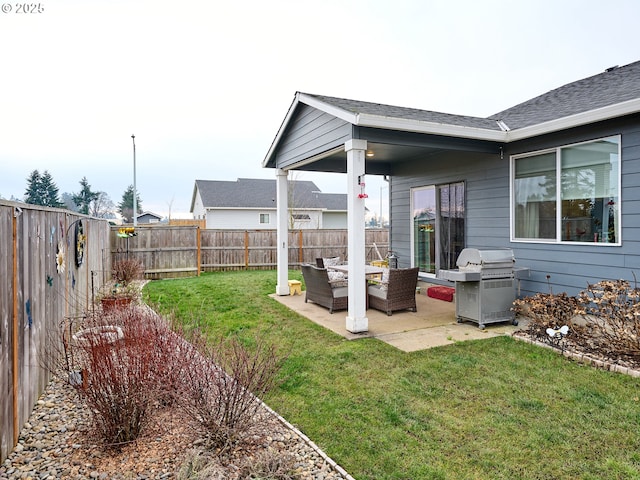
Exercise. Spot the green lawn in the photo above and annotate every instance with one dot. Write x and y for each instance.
(487, 409)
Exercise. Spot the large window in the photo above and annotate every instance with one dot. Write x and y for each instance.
(438, 226)
(569, 194)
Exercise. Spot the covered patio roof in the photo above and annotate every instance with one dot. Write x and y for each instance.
(329, 134)
(316, 127)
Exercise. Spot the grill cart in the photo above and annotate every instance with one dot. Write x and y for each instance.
(485, 285)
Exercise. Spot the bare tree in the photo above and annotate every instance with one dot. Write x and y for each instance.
(101, 206)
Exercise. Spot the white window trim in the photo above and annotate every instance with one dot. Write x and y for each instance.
(558, 240)
(424, 275)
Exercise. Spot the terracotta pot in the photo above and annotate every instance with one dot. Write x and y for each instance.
(115, 303)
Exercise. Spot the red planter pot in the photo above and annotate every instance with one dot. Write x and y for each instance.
(115, 303)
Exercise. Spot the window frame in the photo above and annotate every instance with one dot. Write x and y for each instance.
(265, 216)
(437, 189)
(558, 164)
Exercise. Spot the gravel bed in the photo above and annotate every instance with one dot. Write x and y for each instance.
(56, 443)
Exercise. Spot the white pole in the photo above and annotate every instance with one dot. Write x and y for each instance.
(135, 193)
(380, 218)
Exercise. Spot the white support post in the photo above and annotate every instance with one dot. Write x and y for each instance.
(357, 320)
(282, 217)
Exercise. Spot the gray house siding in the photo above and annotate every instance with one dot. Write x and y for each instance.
(570, 267)
(486, 190)
(311, 133)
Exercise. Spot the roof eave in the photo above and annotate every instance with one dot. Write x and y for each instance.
(418, 126)
(592, 116)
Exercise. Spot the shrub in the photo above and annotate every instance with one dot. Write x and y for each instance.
(547, 310)
(127, 360)
(221, 386)
(270, 465)
(612, 311)
(126, 271)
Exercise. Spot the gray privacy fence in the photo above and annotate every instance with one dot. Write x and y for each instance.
(182, 251)
(49, 260)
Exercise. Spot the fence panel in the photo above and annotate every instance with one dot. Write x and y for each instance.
(39, 295)
(166, 251)
(170, 251)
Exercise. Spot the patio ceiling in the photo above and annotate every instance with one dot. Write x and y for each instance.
(386, 148)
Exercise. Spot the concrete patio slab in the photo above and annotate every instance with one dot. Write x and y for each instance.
(433, 325)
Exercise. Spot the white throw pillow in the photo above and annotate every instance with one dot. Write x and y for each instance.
(337, 279)
(335, 276)
(331, 262)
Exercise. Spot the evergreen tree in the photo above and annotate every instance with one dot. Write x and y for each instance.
(85, 197)
(33, 194)
(49, 191)
(125, 207)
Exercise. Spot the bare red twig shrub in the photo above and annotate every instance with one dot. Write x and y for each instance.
(221, 386)
(128, 360)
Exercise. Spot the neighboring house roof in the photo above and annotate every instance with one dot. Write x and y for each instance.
(149, 214)
(261, 193)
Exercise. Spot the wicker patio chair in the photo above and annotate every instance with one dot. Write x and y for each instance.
(323, 292)
(398, 293)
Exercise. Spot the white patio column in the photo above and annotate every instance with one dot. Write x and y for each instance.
(282, 226)
(357, 320)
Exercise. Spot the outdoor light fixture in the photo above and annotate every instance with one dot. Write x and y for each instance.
(370, 154)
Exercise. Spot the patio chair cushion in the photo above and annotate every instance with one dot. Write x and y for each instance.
(379, 291)
(340, 292)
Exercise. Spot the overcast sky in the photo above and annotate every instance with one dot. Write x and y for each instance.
(205, 85)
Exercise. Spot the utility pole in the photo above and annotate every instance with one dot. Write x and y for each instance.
(135, 193)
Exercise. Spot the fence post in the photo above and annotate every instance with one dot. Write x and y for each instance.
(198, 250)
(300, 249)
(16, 430)
(246, 249)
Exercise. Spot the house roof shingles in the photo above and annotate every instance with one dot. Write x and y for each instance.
(379, 109)
(261, 193)
(613, 86)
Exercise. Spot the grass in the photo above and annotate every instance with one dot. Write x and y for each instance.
(487, 409)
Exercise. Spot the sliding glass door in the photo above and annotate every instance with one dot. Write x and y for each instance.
(438, 226)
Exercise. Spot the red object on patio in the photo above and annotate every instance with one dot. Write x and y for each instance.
(441, 293)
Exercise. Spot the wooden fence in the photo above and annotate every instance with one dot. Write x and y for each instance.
(52, 261)
(38, 296)
(181, 251)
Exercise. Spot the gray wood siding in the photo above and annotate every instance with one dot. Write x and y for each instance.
(570, 267)
(310, 133)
